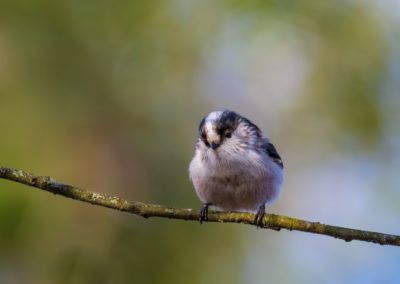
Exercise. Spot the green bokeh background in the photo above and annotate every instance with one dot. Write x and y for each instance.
(107, 96)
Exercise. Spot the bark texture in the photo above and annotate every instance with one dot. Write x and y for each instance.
(270, 221)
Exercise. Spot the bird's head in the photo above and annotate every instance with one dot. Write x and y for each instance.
(226, 129)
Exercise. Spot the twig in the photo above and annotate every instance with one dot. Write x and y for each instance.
(270, 221)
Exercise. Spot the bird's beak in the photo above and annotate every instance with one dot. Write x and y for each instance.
(214, 145)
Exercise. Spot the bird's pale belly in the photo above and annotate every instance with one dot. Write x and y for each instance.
(235, 193)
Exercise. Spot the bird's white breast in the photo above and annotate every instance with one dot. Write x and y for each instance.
(243, 181)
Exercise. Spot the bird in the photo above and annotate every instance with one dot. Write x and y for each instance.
(235, 166)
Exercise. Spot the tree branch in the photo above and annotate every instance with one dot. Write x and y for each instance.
(270, 221)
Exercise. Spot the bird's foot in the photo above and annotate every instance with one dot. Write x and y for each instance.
(204, 213)
(259, 216)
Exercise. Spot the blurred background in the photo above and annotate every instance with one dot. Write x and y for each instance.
(107, 96)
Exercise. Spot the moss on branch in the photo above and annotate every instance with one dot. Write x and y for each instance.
(270, 221)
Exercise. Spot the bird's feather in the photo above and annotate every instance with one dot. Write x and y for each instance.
(270, 149)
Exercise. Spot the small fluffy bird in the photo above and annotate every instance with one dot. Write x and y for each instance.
(235, 166)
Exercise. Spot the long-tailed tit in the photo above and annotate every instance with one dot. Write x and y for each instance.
(235, 167)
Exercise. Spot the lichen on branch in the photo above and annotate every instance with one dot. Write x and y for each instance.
(270, 221)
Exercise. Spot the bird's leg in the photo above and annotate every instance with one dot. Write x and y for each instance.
(259, 216)
(204, 213)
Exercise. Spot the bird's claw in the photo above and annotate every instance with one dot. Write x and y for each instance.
(204, 213)
(258, 220)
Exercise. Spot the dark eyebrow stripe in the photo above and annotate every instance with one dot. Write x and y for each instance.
(201, 125)
(228, 119)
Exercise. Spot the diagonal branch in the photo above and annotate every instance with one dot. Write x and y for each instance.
(270, 221)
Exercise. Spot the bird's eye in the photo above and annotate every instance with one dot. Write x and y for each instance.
(227, 133)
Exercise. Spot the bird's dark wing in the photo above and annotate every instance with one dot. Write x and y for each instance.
(269, 148)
